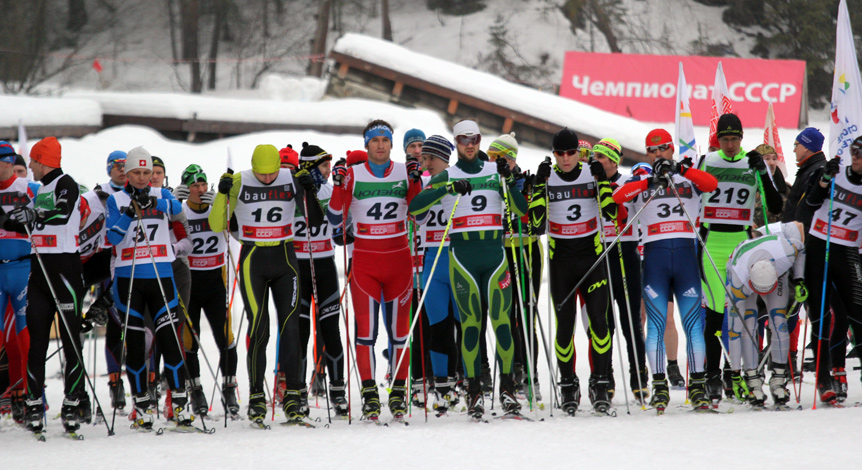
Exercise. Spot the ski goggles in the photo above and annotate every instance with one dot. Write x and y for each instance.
(118, 164)
(856, 150)
(657, 148)
(468, 139)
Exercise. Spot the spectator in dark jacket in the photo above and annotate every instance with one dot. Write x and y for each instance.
(809, 158)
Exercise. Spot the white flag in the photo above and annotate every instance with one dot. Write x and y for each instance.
(720, 101)
(684, 128)
(846, 122)
(23, 149)
(770, 137)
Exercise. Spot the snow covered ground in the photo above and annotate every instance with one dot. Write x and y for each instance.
(677, 440)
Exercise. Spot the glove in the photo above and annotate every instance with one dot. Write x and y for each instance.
(413, 169)
(98, 311)
(304, 179)
(23, 215)
(598, 170)
(658, 182)
(225, 183)
(684, 165)
(755, 162)
(664, 167)
(831, 169)
(208, 197)
(461, 187)
(339, 172)
(544, 171)
(799, 289)
(503, 168)
(103, 196)
(144, 200)
(181, 192)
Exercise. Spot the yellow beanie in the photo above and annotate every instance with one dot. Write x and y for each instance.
(265, 159)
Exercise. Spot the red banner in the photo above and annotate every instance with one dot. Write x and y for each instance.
(643, 87)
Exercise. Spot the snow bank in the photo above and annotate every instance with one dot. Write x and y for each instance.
(48, 111)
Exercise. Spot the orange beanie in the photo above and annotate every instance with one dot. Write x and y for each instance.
(47, 152)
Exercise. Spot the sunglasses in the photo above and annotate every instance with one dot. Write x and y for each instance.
(657, 148)
(468, 139)
(856, 151)
(569, 152)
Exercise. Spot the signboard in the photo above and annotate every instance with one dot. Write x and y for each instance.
(643, 87)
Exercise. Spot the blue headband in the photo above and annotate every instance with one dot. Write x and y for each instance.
(376, 131)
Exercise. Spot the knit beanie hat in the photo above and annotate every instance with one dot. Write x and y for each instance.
(658, 137)
(19, 160)
(764, 149)
(565, 139)
(157, 161)
(609, 148)
(193, 174)
(138, 158)
(811, 139)
(438, 146)
(47, 152)
(728, 125)
(7, 153)
(289, 156)
(311, 155)
(265, 159)
(117, 156)
(505, 145)
(467, 128)
(413, 135)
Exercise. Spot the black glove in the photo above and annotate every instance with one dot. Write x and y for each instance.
(684, 165)
(544, 171)
(23, 215)
(304, 179)
(831, 169)
(413, 169)
(503, 168)
(657, 182)
(755, 162)
(598, 170)
(339, 172)
(664, 167)
(103, 196)
(98, 311)
(461, 187)
(226, 182)
(144, 200)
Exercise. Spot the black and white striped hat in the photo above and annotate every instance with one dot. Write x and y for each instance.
(438, 146)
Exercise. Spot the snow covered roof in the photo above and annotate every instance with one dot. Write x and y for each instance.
(551, 108)
(48, 112)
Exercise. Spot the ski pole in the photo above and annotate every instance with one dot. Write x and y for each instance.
(413, 254)
(762, 201)
(550, 341)
(823, 292)
(65, 323)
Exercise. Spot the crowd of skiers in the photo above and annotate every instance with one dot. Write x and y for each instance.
(455, 233)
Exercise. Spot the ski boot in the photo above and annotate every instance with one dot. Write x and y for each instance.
(85, 409)
(180, 407)
(697, 391)
(291, 404)
(612, 385)
(229, 390)
(535, 387)
(154, 389)
(256, 406)
(418, 393)
(599, 393)
(778, 385)
(397, 399)
(336, 396)
(660, 393)
(445, 397)
(839, 379)
(826, 390)
(486, 382)
(640, 384)
(674, 377)
(508, 401)
(570, 395)
(118, 392)
(714, 386)
(280, 387)
(793, 367)
(739, 388)
(69, 414)
(304, 409)
(144, 413)
(370, 400)
(475, 399)
(318, 385)
(519, 378)
(19, 406)
(199, 404)
(35, 414)
(754, 384)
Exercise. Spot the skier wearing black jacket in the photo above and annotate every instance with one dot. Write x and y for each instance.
(809, 160)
